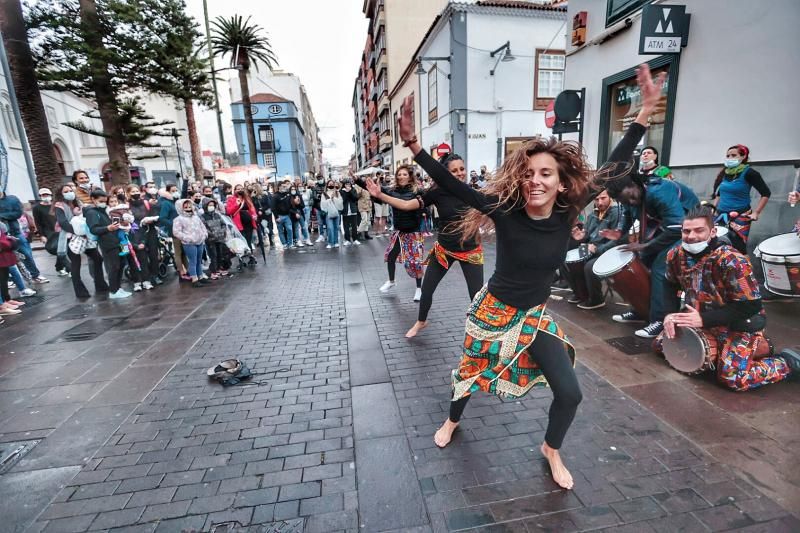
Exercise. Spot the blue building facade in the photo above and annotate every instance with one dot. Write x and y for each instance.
(280, 139)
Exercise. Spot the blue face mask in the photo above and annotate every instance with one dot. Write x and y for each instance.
(732, 163)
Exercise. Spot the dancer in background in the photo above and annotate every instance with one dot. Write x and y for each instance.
(451, 246)
(511, 344)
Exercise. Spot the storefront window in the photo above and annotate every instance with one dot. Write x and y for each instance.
(624, 103)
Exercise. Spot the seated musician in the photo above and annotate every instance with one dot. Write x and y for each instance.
(663, 203)
(723, 301)
(606, 215)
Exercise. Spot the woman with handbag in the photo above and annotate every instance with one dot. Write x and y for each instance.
(74, 242)
(46, 226)
(331, 204)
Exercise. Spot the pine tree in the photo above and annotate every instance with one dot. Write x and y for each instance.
(182, 71)
(101, 50)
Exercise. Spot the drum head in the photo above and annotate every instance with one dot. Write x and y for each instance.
(612, 261)
(786, 244)
(686, 352)
(574, 256)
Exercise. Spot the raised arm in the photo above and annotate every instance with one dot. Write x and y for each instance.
(435, 170)
(377, 192)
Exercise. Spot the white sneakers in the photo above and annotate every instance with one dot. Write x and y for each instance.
(137, 287)
(417, 294)
(387, 286)
(27, 292)
(147, 285)
(320, 238)
(63, 272)
(119, 294)
(309, 243)
(347, 243)
(299, 244)
(357, 242)
(328, 246)
(336, 245)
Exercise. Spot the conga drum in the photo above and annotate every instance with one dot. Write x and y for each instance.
(626, 273)
(575, 265)
(690, 351)
(780, 259)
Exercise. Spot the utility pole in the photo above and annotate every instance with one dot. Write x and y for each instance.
(214, 80)
(175, 135)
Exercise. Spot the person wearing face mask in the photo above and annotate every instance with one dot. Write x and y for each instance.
(166, 215)
(281, 208)
(451, 246)
(66, 207)
(83, 187)
(144, 237)
(723, 301)
(307, 195)
(11, 212)
(45, 221)
(331, 205)
(263, 201)
(192, 232)
(215, 246)
(296, 208)
(105, 229)
(243, 213)
(731, 194)
(349, 213)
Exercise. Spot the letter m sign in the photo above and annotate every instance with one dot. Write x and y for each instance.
(665, 29)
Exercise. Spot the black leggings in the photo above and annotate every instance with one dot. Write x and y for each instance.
(95, 269)
(548, 351)
(473, 275)
(4, 295)
(113, 264)
(391, 262)
(350, 227)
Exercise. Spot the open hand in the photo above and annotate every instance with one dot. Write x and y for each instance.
(633, 247)
(405, 125)
(373, 188)
(612, 234)
(650, 89)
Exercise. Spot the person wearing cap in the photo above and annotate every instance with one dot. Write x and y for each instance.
(731, 195)
(45, 219)
(10, 213)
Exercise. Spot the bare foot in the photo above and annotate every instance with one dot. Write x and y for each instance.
(416, 328)
(560, 473)
(445, 433)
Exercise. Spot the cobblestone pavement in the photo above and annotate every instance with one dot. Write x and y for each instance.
(334, 433)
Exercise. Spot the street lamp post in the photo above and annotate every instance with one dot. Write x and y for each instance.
(214, 80)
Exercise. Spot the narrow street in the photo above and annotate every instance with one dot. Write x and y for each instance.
(121, 429)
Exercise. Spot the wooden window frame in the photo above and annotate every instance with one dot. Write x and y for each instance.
(540, 104)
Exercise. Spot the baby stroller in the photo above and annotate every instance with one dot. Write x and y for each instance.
(237, 245)
(166, 257)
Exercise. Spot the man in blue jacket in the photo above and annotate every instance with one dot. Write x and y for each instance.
(662, 204)
(10, 212)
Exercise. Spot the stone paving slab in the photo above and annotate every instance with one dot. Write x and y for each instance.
(291, 450)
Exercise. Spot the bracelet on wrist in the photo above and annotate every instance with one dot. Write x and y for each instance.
(410, 141)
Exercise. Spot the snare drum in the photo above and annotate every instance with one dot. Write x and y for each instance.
(575, 265)
(780, 259)
(628, 275)
(690, 351)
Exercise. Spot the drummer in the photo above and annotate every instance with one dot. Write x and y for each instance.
(723, 301)
(663, 203)
(606, 214)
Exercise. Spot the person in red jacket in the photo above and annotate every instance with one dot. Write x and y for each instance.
(7, 259)
(242, 211)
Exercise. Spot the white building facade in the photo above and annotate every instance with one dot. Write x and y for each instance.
(497, 65)
(729, 85)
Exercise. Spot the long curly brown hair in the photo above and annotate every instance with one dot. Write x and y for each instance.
(574, 172)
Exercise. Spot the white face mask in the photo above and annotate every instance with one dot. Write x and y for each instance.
(47, 199)
(176, 195)
(211, 208)
(152, 191)
(695, 248)
(86, 186)
(69, 196)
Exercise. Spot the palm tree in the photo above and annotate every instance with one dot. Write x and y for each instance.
(23, 74)
(246, 46)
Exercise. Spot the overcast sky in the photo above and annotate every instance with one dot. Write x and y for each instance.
(320, 41)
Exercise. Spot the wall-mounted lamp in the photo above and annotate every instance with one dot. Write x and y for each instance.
(421, 70)
(503, 54)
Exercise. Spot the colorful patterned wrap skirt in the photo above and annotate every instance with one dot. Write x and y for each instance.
(412, 252)
(440, 253)
(495, 356)
(740, 225)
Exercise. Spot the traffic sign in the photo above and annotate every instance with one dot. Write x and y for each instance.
(550, 114)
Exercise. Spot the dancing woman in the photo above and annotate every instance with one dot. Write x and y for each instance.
(406, 244)
(451, 246)
(511, 343)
